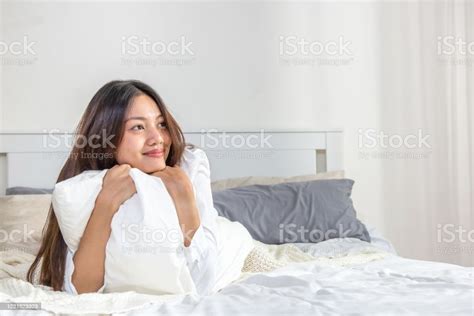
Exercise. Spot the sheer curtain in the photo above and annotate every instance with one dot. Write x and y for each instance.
(426, 86)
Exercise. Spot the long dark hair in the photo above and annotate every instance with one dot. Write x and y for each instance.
(103, 117)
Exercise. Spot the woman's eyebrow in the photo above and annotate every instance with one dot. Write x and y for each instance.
(142, 118)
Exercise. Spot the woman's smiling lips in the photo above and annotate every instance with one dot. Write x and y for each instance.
(155, 153)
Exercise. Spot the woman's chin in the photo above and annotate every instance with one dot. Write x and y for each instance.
(154, 168)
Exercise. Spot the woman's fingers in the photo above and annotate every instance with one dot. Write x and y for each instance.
(118, 185)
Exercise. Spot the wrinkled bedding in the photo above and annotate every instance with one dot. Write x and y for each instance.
(345, 276)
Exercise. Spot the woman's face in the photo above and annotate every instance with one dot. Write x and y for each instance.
(146, 141)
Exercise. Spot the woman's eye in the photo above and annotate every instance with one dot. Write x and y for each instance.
(137, 127)
(162, 125)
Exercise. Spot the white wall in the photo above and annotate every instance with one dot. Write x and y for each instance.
(235, 71)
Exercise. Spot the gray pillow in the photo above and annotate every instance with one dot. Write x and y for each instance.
(27, 190)
(310, 211)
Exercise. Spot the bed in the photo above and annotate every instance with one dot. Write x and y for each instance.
(331, 277)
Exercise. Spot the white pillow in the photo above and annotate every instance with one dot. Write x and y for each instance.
(145, 249)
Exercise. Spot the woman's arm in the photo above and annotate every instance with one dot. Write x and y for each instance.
(89, 259)
(188, 216)
(181, 191)
(196, 212)
(202, 253)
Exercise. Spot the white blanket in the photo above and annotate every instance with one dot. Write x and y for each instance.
(347, 276)
(13, 288)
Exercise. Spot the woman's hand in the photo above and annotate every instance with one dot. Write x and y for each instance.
(177, 183)
(181, 190)
(117, 187)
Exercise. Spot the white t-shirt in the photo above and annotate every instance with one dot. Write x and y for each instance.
(201, 254)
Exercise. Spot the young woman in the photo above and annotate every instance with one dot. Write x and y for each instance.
(127, 125)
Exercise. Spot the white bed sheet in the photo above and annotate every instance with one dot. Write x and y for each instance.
(391, 286)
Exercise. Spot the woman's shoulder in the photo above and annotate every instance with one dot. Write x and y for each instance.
(194, 159)
(193, 154)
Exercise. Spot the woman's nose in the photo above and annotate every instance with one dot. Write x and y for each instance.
(155, 136)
